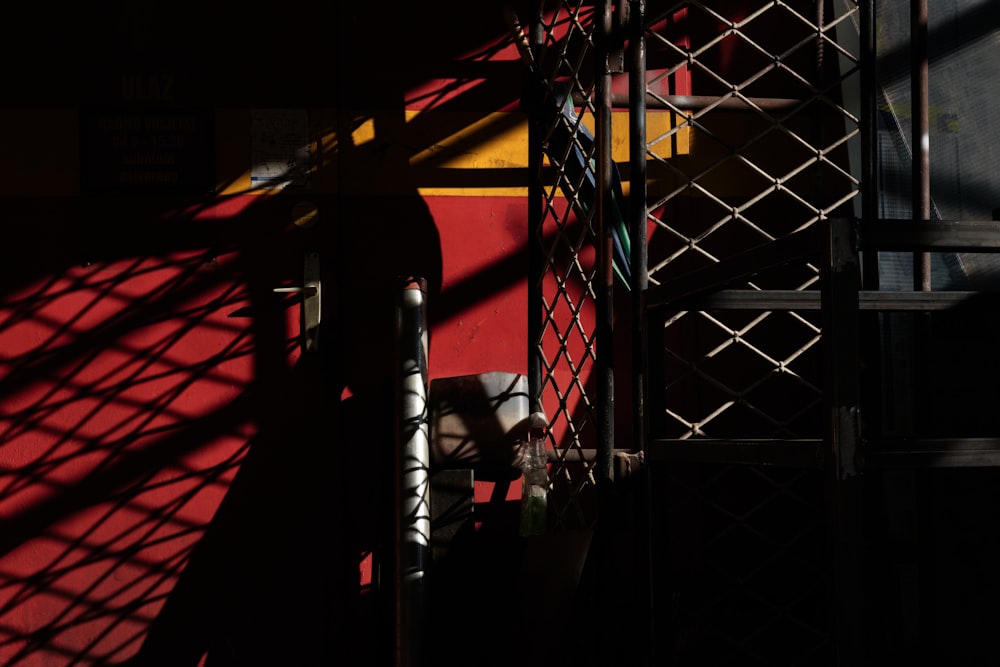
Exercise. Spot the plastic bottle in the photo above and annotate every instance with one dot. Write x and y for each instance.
(534, 478)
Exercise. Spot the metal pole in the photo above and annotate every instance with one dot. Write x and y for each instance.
(637, 213)
(605, 272)
(921, 135)
(869, 136)
(536, 267)
(841, 332)
(412, 460)
(640, 283)
(870, 323)
(920, 75)
(604, 365)
(692, 103)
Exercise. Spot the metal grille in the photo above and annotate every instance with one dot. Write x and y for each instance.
(565, 344)
(758, 146)
(772, 150)
(769, 139)
(751, 137)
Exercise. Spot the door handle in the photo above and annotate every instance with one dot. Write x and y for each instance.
(311, 291)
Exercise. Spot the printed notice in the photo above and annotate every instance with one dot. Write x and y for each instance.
(280, 149)
(155, 151)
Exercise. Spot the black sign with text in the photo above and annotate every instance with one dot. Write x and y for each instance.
(147, 150)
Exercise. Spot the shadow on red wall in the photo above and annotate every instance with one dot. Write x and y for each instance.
(180, 484)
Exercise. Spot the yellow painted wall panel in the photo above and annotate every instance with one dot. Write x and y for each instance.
(432, 152)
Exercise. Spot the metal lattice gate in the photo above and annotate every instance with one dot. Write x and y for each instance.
(565, 272)
(771, 136)
(743, 128)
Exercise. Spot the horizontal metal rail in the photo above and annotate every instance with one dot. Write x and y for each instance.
(884, 234)
(935, 235)
(701, 102)
(930, 453)
(812, 300)
(809, 453)
(795, 453)
(711, 289)
(714, 277)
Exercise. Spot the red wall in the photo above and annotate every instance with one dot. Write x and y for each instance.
(179, 485)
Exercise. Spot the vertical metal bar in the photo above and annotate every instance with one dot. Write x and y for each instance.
(820, 5)
(640, 283)
(871, 321)
(536, 268)
(869, 136)
(923, 408)
(616, 51)
(638, 214)
(921, 135)
(841, 339)
(605, 273)
(604, 364)
(621, 18)
(412, 475)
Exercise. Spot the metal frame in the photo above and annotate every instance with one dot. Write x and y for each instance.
(826, 262)
(594, 449)
(705, 289)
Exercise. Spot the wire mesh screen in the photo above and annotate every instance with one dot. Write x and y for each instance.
(772, 148)
(565, 345)
(751, 136)
(757, 145)
(769, 129)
